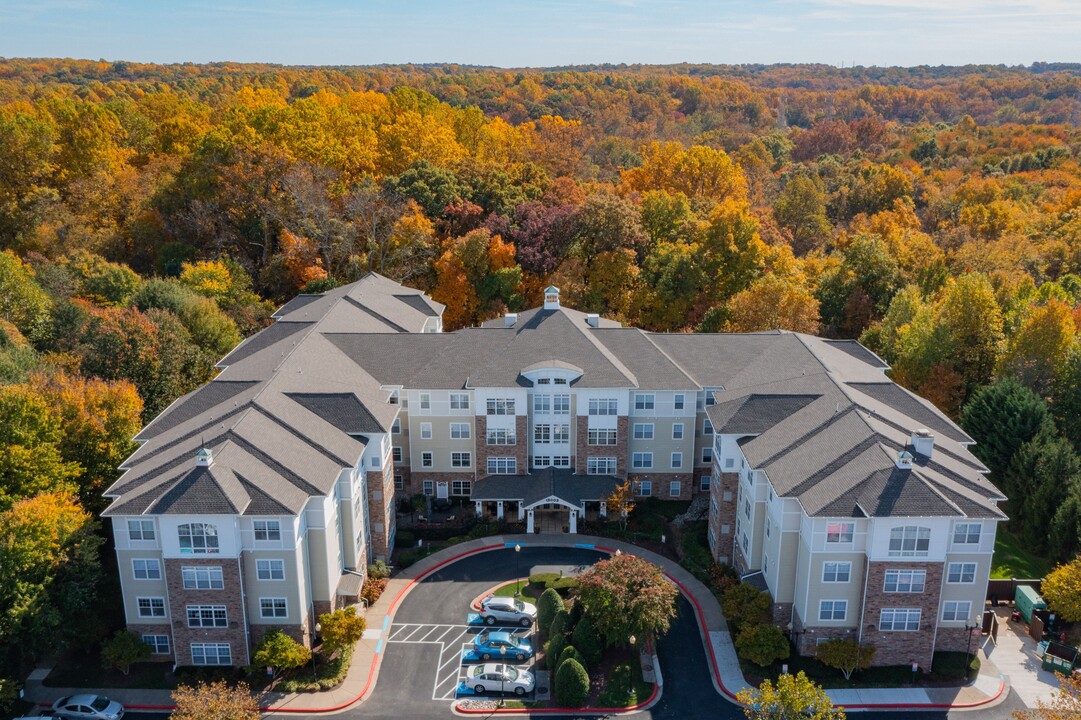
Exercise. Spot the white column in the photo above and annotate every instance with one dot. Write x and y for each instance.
(604, 509)
(529, 523)
(479, 508)
(521, 511)
(499, 510)
(574, 521)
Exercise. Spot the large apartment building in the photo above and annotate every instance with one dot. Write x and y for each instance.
(258, 500)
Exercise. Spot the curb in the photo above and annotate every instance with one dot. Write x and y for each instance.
(587, 712)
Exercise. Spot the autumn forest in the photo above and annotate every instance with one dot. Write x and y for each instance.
(151, 216)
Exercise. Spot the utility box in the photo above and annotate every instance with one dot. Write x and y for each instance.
(1026, 599)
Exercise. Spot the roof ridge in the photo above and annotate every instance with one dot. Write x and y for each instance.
(318, 447)
(595, 342)
(792, 447)
(649, 338)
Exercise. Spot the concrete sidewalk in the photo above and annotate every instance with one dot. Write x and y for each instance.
(989, 688)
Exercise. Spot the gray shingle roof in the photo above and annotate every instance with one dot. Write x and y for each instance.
(543, 483)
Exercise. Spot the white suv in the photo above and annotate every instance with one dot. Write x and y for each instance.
(507, 611)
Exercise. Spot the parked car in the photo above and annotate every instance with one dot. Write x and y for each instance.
(493, 677)
(495, 644)
(509, 611)
(88, 707)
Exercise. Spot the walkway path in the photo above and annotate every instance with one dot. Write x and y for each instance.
(727, 676)
(1016, 658)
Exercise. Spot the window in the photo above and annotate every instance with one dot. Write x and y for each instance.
(899, 620)
(561, 433)
(713, 510)
(561, 404)
(561, 461)
(500, 406)
(202, 578)
(707, 427)
(642, 460)
(677, 460)
(707, 455)
(643, 431)
(270, 569)
(429, 487)
(601, 466)
(705, 481)
(461, 459)
(393, 399)
(956, 610)
(559, 381)
(267, 530)
(677, 401)
(747, 509)
(712, 539)
(909, 541)
(396, 427)
(396, 452)
(727, 496)
(273, 608)
(399, 484)
(501, 437)
(768, 526)
(544, 381)
(141, 529)
(425, 431)
(603, 406)
(601, 437)
(542, 461)
(710, 400)
(729, 462)
(159, 644)
(836, 572)
(425, 401)
(765, 564)
(677, 431)
(211, 654)
(725, 529)
(207, 616)
(967, 534)
(840, 532)
(645, 488)
(675, 488)
(502, 466)
(542, 404)
(542, 434)
(832, 610)
(459, 431)
(198, 538)
(459, 401)
(425, 459)
(146, 569)
(460, 487)
(151, 607)
(905, 581)
(961, 572)
(644, 401)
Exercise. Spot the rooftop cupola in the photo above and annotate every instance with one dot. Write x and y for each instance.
(923, 442)
(551, 298)
(204, 458)
(904, 460)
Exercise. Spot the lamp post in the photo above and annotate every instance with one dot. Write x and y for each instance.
(502, 674)
(318, 628)
(517, 571)
(968, 647)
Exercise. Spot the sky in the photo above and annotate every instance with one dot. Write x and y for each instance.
(546, 33)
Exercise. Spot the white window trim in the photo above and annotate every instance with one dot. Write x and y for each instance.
(270, 569)
(151, 605)
(147, 566)
(961, 572)
(273, 607)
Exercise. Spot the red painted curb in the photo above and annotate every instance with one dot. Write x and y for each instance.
(475, 604)
(561, 710)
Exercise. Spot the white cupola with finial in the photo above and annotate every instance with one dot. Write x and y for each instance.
(551, 298)
(204, 458)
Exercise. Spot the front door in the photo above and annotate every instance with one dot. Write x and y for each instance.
(442, 490)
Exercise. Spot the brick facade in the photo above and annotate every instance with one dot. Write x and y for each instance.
(902, 647)
(726, 511)
(780, 614)
(585, 450)
(232, 597)
(381, 510)
(806, 638)
(662, 483)
(519, 450)
(156, 629)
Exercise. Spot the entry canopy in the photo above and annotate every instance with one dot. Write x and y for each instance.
(548, 485)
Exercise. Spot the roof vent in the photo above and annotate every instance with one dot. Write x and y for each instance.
(923, 442)
(904, 460)
(204, 458)
(510, 319)
(593, 320)
(551, 298)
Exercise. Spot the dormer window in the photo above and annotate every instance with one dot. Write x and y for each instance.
(198, 539)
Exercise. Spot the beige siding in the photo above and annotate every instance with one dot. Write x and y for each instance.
(816, 590)
(289, 588)
(440, 445)
(133, 588)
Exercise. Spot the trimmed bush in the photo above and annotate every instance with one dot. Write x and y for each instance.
(565, 585)
(553, 650)
(762, 644)
(588, 642)
(560, 624)
(568, 653)
(404, 539)
(572, 684)
(547, 606)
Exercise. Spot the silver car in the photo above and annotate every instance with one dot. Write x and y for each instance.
(507, 611)
(88, 707)
(495, 677)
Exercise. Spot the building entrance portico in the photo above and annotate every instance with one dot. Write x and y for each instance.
(549, 500)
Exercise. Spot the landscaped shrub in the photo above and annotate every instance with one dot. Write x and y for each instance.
(123, 649)
(745, 605)
(565, 585)
(588, 642)
(547, 606)
(571, 652)
(560, 623)
(762, 644)
(695, 552)
(378, 570)
(405, 539)
(552, 650)
(373, 588)
(572, 684)
(328, 676)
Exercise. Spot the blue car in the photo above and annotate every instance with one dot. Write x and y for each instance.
(491, 644)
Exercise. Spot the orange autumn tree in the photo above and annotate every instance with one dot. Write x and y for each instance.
(477, 278)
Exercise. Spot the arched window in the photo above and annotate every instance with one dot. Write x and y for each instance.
(198, 538)
(910, 541)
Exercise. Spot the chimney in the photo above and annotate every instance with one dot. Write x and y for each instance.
(510, 319)
(923, 442)
(204, 458)
(904, 460)
(551, 298)
(593, 320)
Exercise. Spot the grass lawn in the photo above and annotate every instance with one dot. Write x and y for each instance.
(1012, 560)
(522, 587)
(948, 669)
(624, 686)
(86, 670)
